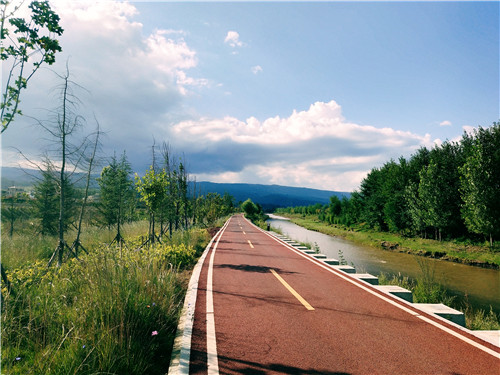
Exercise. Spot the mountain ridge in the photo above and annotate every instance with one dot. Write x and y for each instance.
(271, 196)
(268, 196)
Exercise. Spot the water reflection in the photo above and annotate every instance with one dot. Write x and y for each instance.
(481, 285)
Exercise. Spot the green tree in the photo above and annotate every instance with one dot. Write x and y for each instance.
(371, 193)
(153, 192)
(117, 194)
(26, 45)
(439, 190)
(227, 204)
(46, 203)
(13, 209)
(249, 208)
(480, 183)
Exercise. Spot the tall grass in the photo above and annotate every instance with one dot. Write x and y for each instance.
(113, 311)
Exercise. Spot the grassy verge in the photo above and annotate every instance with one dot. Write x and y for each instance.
(112, 311)
(454, 251)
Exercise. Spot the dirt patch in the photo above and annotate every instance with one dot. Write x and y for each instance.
(389, 245)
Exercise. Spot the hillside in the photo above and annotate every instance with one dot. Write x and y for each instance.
(268, 196)
(271, 196)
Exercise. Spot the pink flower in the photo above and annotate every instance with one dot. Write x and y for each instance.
(154, 333)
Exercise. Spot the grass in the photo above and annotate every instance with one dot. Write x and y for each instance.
(112, 311)
(456, 251)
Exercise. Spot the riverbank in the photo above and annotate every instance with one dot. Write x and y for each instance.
(474, 255)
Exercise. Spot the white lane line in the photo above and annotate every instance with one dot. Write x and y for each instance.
(394, 303)
(212, 360)
(182, 345)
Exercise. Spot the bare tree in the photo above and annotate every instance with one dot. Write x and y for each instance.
(67, 152)
(91, 163)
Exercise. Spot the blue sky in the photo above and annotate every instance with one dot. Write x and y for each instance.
(300, 94)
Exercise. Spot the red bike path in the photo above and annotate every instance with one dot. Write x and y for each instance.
(333, 324)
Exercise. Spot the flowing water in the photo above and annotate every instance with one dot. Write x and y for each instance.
(481, 285)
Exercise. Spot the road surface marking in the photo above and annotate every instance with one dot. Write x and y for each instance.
(250, 244)
(244, 232)
(291, 290)
(212, 360)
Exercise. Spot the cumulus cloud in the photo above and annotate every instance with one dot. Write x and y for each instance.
(233, 39)
(133, 78)
(315, 148)
(256, 69)
(445, 123)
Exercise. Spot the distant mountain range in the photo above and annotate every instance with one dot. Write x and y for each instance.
(271, 196)
(268, 196)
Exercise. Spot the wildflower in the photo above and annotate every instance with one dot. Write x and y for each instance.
(18, 358)
(154, 333)
(154, 304)
(148, 306)
(83, 347)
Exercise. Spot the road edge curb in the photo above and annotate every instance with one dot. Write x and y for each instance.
(181, 352)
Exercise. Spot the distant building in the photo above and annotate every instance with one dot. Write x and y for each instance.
(13, 190)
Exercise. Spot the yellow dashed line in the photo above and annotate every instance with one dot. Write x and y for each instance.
(291, 290)
(250, 244)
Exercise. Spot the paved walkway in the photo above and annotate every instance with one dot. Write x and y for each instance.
(263, 308)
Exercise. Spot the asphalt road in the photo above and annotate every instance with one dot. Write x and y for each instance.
(263, 308)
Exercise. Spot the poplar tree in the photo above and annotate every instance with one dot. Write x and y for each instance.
(480, 183)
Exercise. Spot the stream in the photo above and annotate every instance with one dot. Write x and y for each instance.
(481, 285)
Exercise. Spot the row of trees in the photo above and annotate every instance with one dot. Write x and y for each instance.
(450, 191)
(165, 195)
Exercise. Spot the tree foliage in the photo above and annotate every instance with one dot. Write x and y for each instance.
(46, 203)
(117, 194)
(26, 45)
(451, 191)
(480, 183)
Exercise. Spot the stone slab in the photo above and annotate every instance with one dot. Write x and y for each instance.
(397, 291)
(370, 279)
(309, 251)
(319, 256)
(346, 269)
(443, 311)
(331, 261)
(493, 337)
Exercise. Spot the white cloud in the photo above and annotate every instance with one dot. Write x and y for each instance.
(313, 148)
(445, 123)
(469, 129)
(233, 39)
(256, 69)
(320, 121)
(135, 79)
